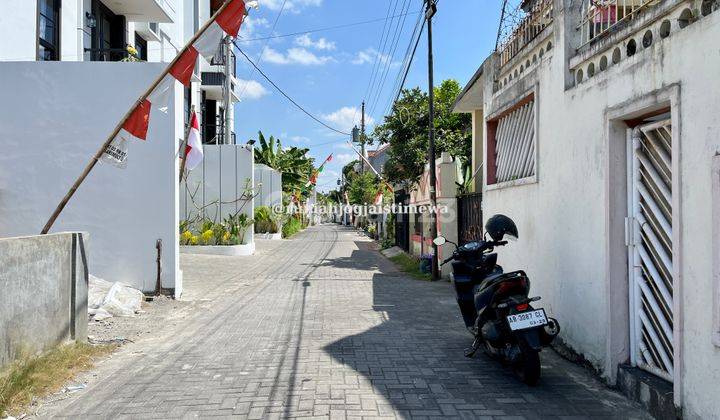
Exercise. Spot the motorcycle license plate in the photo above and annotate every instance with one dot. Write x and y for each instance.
(525, 320)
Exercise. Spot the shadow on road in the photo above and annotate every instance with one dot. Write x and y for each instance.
(414, 359)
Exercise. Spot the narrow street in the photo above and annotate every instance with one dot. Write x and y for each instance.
(323, 325)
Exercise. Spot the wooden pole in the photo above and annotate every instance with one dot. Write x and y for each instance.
(118, 127)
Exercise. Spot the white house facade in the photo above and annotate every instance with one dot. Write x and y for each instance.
(598, 127)
(75, 67)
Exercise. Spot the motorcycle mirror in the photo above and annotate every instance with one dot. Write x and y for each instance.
(440, 240)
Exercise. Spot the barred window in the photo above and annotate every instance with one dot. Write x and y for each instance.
(511, 143)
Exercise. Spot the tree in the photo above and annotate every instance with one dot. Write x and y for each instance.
(293, 163)
(406, 130)
(362, 188)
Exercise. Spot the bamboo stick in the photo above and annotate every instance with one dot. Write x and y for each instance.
(118, 127)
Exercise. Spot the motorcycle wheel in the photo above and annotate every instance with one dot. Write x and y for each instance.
(528, 369)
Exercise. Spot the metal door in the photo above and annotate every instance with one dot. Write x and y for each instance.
(651, 248)
(470, 227)
(402, 221)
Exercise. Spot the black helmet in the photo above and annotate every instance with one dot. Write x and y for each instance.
(500, 225)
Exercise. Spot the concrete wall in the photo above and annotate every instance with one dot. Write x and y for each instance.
(214, 189)
(44, 292)
(447, 170)
(60, 113)
(571, 219)
(268, 186)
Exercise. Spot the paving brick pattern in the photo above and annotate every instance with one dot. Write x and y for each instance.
(322, 326)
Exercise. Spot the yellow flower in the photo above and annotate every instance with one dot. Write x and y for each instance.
(207, 236)
(131, 50)
(226, 237)
(193, 240)
(185, 237)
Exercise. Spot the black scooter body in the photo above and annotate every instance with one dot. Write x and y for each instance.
(486, 297)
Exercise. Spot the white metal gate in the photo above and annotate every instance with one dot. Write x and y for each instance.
(650, 250)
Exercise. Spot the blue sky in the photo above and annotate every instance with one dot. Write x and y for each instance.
(329, 72)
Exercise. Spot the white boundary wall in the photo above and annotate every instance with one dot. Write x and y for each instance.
(268, 185)
(55, 117)
(223, 175)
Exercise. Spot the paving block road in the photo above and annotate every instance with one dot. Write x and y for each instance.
(323, 326)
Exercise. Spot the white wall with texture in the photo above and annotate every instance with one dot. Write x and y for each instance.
(59, 115)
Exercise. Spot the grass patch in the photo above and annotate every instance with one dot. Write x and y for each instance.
(38, 376)
(410, 265)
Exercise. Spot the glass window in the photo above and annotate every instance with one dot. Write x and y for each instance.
(49, 30)
(141, 47)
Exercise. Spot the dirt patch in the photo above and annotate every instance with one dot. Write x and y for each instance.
(161, 312)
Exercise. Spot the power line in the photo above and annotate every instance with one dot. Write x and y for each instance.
(407, 68)
(392, 47)
(286, 95)
(379, 54)
(419, 24)
(327, 28)
(262, 51)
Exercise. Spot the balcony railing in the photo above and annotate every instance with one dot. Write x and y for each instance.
(602, 17)
(535, 17)
(215, 134)
(107, 54)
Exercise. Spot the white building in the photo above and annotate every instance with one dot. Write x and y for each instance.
(597, 123)
(102, 30)
(60, 60)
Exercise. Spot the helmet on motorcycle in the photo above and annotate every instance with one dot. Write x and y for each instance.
(500, 225)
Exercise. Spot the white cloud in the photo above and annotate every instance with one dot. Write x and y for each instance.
(251, 89)
(320, 44)
(369, 55)
(251, 24)
(346, 118)
(344, 158)
(342, 145)
(299, 139)
(293, 6)
(295, 56)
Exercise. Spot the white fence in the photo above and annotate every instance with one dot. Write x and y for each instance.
(222, 185)
(268, 186)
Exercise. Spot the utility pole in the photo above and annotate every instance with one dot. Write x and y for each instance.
(228, 91)
(430, 10)
(362, 139)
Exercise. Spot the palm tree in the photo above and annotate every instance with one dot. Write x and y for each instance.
(293, 162)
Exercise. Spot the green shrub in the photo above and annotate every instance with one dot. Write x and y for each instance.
(265, 220)
(292, 226)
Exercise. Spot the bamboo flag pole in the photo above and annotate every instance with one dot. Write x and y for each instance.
(118, 127)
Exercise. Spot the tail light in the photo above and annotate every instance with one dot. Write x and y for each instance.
(508, 287)
(522, 307)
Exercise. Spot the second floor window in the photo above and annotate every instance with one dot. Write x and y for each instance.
(141, 47)
(49, 30)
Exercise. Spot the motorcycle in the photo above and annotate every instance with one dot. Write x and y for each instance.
(495, 306)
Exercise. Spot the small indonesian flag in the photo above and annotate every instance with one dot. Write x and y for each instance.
(194, 149)
(378, 198)
(314, 176)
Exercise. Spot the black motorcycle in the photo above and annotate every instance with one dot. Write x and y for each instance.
(496, 306)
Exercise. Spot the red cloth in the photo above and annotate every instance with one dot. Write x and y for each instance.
(183, 68)
(231, 17)
(138, 122)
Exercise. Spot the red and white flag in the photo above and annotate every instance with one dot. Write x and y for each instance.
(193, 149)
(227, 23)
